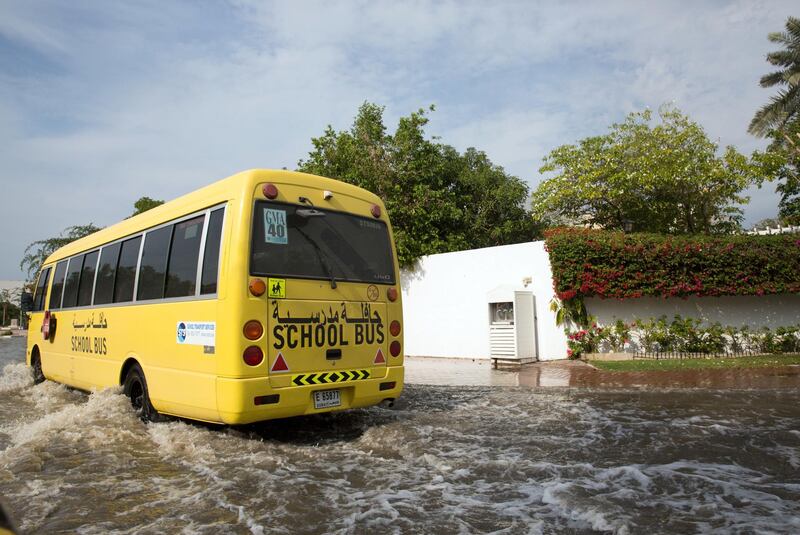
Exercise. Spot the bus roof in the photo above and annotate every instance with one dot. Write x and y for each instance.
(235, 186)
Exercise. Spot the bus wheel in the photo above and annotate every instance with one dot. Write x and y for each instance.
(36, 368)
(135, 387)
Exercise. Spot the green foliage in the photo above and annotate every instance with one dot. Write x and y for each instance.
(569, 313)
(685, 335)
(8, 303)
(666, 178)
(37, 252)
(785, 150)
(643, 365)
(144, 204)
(438, 199)
(617, 335)
(783, 108)
(617, 265)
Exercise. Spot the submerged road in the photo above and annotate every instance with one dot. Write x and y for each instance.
(446, 459)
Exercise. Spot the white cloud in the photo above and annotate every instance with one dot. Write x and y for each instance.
(104, 103)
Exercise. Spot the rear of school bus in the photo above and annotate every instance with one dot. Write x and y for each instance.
(314, 301)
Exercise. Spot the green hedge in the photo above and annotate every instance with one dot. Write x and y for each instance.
(616, 265)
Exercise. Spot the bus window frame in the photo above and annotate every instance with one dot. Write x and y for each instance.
(47, 272)
(251, 242)
(65, 261)
(205, 212)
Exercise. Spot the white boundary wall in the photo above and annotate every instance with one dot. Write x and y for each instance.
(756, 311)
(445, 307)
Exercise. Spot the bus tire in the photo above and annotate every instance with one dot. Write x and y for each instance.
(36, 367)
(135, 388)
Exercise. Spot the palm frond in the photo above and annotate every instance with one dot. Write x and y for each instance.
(773, 78)
(784, 58)
(793, 28)
(768, 117)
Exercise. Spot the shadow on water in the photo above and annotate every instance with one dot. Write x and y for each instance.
(349, 426)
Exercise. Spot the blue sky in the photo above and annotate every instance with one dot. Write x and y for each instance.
(104, 102)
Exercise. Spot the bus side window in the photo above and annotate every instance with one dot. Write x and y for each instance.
(183, 254)
(104, 287)
(58, 285)
(72, 282)
(153, 269)
(87, 278)
(41, 289)
(126, 270)
(208, 284)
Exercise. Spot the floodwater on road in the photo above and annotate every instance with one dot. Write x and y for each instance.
(446, 459)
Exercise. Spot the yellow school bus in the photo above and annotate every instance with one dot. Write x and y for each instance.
(265, 295)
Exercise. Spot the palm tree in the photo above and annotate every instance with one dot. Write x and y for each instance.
(784, 108)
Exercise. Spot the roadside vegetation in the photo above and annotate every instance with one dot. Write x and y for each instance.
(647, 365)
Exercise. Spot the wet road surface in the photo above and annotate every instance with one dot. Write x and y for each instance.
(446, 459)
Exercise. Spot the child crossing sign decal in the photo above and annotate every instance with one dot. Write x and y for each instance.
(275, 226)
(277, 288)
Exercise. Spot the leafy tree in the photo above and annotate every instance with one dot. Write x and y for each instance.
(785, 148)
(784, 108)
(37, 252)
(144, 204)
(439, 199)
(769, 222)
(780, 118)
(665, 178)
(7, 298)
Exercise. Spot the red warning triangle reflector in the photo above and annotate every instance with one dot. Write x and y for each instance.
(379, 357)
(280, 364)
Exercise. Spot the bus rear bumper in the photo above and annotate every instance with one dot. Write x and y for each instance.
(236, 398)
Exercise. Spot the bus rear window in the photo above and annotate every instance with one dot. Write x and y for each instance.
(304, 242)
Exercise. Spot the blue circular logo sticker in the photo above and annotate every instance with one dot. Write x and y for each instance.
(181, 332)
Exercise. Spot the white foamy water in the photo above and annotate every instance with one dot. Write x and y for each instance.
(447, 459)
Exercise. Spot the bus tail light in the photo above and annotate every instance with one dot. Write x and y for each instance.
(390, 385)
(394, 328)
(257, 287)
(394, 348)
(270, 191)
(391, 293)
(375, 210)
(253, 356)
(253, 330)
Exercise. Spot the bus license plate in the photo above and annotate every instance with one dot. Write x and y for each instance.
(324, 399)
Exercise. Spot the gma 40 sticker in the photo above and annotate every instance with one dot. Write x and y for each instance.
(277, 288)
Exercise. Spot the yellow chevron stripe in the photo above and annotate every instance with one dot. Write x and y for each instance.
(324, 378)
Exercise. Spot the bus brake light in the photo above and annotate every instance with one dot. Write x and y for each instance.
(253, 356)
(394, 348)
(394, 328)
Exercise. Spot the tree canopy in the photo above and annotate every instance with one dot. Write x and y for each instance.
(144, 204)
(784, 107)
(37, 252)
(665, 177)
(780, 118)
(438, 199)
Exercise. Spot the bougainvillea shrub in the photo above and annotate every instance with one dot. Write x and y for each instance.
(607, 264)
